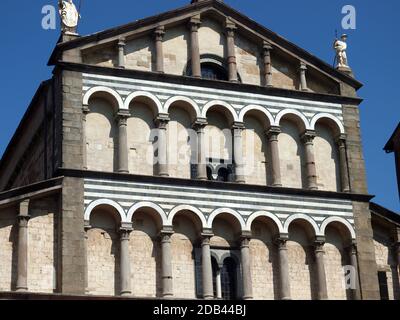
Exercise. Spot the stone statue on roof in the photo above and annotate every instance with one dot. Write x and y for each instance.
(340, 47)
(69, 16)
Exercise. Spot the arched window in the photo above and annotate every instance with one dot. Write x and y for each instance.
(213, 67)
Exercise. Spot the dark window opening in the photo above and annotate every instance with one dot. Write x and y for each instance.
(229, 279)
(213, 71)
(383, 285)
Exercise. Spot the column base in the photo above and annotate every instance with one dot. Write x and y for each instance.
(125, 293)
(248, 298)
(277, 185)
(21, 289)
(208, 297)
(123, 171)
(202, 178)
(163, 175)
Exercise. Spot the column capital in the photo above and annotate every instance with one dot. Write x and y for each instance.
(267, 47)
(308, 136)
(23, 220)
(24, 208)
(165, 234)
(281, 241)
(194, 23)
(341, 139)
(352, 248)
(85, 109)
(230, 27)
(124, 233)
(273, 132)
(303, 66)
(159, 33)
(245, 238)
(199, 124)
(121, 42)
(162, 120)
(122, 116)
(238, 125)
(205, 239)
(319, 243)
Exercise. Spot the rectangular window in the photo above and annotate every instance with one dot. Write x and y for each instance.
(383, 285)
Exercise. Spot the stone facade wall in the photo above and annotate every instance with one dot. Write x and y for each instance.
(138, 54)
(101, 132)
(42, 245)
(176, 61)
(326, 159)
(8, 247)
(179, 143)
(291, 154)
(249, 60)
(256, 159)
(264, 262)
(335, 259)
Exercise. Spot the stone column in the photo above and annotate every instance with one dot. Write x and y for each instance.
(86, 237)
(218, 284)
(231, 54)
(159, 35)
(267, 48)
(308, 139)
(162, 163)
(125, 261)
(272, 135)
(22, 260)
(85, 111)
(237, 129)
(199, 126)
(206, 266)
(344, 171)
(355, 292)
(246, 267)
(122, 120)
(303, 78)
(284, 282)
(166, 266)
(121, 53)
(194, 25)
(322, 293)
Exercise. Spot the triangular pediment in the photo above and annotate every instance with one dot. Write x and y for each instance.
(101, 48)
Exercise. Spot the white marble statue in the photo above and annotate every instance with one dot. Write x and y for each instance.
(341, 56)
(69, 16)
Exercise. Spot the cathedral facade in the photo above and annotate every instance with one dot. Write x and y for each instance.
(193, 154)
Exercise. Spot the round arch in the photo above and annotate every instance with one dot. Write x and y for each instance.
(340, 220)
(232, 212)
(266, 214)
(93, 205)
(145, 94)
(320, 116)
(145, 204)
(184, 207)
(254, 107)
(105, 90)
(296, 113)
(187, 100)
(300, 216)
(226, 105)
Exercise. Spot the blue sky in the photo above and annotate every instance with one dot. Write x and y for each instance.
(373, 55)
